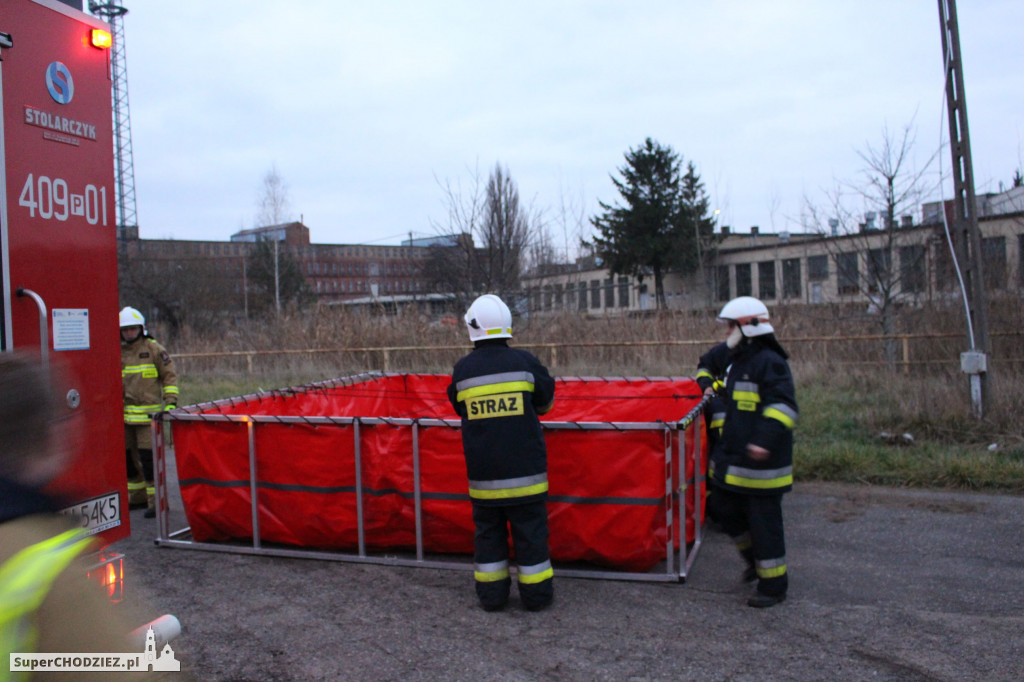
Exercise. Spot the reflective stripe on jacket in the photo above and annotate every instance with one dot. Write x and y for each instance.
(499, 391)
(760, 409)
(148, 380)
(25, 581)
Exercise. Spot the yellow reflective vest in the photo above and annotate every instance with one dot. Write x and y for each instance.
(148, 379)
(47, 604)
(25, 581)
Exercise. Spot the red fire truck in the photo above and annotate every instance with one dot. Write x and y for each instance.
(58, 248)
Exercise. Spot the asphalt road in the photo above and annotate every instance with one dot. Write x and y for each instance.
(884, 584)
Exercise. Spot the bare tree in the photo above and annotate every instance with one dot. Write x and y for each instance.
(554, 250)
(543, 256)
(451, 267)
(506, 233)
(274, 208)
(571, 219)
(888, 190)
(274, 277)
(197, 292)
(774, 202)
(273, 204)
(487, 238)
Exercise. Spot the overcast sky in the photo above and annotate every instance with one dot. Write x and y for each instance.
(367, 108)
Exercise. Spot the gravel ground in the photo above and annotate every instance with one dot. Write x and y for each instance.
(884, 584)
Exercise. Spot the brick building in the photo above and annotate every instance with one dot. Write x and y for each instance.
(334, 272)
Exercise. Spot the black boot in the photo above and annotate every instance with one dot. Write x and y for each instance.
(764, 601)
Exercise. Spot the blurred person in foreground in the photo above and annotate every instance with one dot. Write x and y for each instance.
(752, 462)
(499, 392)
(47, 604)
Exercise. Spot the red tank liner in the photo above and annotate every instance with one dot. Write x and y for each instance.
(609, 495)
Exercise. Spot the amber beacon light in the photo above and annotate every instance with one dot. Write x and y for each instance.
(101, 39)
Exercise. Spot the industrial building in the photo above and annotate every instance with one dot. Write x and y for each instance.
(909, 263)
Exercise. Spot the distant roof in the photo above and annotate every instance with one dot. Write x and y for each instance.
(271, 231)
(438, 240)
(398, 298)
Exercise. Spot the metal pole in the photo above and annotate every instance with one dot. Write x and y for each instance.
(669, 507)
(277, 279)
(699, 483)
(124, 176)
(160, 479)
(416, 492)
(245, 287)
(359, 489)
(967, 236)
(253, 495)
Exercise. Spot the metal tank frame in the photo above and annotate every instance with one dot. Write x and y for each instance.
(674, 568)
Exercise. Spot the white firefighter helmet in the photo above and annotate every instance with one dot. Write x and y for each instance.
(130, 317)
(489, 318)
(749, 313)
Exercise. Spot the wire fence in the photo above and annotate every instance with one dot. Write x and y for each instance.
(919, 353)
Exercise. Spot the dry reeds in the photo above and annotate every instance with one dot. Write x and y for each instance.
(919, 387)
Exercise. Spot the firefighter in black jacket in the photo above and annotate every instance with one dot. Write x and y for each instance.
(752, 463)
(499, 391)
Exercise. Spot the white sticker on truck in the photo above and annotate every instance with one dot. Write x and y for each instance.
(98, 514)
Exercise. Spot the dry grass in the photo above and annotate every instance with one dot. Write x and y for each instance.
(848, 394)
(930, 390)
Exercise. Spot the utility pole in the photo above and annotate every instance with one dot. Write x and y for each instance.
(966, 234)
(245, 287)
(277, 278)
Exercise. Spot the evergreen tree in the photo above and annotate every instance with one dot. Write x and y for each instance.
(657, 229)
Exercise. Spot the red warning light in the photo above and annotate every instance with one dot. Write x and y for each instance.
(101, 39)
(109, 574)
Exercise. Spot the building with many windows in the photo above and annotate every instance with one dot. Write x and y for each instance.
(909, 263)
(334, 272)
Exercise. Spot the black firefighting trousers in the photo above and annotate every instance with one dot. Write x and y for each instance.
(754, 522)
(139, 462)
(529, 525)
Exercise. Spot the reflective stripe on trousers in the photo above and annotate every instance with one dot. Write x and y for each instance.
(508, 488)
(536, 573)
(139, 414)
(492, 572)
(761, 479)
(770, 568)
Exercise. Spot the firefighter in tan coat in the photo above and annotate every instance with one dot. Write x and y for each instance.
(150, 385)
